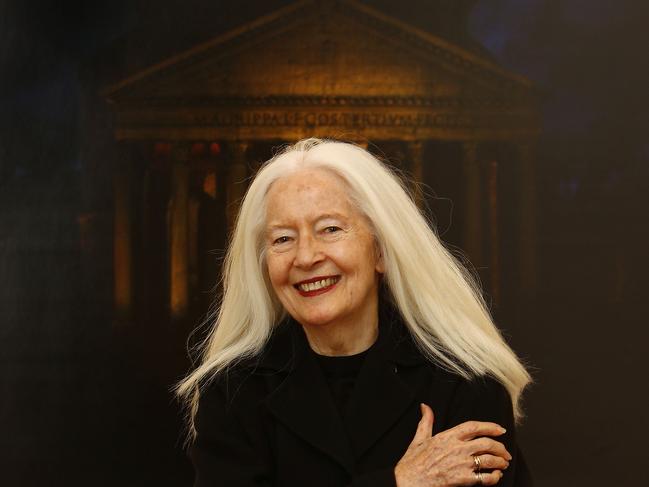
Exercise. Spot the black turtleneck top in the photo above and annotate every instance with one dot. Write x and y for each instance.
(340, 373)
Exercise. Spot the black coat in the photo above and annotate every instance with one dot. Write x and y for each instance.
(271, 421)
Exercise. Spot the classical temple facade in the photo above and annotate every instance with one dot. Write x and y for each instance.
(194, 128)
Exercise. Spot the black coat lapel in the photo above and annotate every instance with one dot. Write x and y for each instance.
(303, 403)
(380, 396)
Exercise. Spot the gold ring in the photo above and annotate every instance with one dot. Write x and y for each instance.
(478, 477)
(477, 462)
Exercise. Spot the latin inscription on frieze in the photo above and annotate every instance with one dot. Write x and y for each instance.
(337, 119)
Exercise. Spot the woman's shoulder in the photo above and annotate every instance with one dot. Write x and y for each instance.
(248, 377)
(232, 392)
(480, 398)
(484, 388)
(475, 388)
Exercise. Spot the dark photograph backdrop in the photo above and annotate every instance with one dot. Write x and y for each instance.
(94, 318)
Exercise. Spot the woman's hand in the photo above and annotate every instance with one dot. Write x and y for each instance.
(447, 459)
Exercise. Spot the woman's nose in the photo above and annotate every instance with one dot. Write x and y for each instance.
(307, 253)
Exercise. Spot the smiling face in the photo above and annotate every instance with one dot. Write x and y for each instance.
(321, 256)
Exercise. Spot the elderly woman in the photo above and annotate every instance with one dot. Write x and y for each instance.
(349, 348)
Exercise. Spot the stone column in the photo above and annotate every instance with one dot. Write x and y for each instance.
(194, 208)
(472, 218)
(122, 236)
(527, 218)
(494, 231)
(416, 155)
(179, 234)
(237, 181)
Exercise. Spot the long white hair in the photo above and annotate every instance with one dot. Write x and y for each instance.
(439, 300)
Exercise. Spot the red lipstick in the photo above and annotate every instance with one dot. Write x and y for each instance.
(316, 292)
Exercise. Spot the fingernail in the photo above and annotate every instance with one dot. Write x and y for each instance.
(503, 429)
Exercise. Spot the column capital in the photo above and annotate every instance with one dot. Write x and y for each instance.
(526, 142)
(180, 152)
(416, 146)
(470, 152)
(525, 151)
(239, 147)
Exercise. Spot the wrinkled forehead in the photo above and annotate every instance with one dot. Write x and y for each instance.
(306, 191)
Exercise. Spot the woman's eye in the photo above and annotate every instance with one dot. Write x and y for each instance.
(331, 229)
(281, 240)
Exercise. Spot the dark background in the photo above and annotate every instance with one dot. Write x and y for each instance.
(81, 402)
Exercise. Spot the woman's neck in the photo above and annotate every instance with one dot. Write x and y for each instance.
(341, 339)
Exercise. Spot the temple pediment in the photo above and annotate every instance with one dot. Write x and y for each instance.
(321, 49)
(331, 56)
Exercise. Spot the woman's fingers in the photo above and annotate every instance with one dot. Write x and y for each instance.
(490, 462)
(487, 445)
(472, 429)
(425, 426)
(486, 478)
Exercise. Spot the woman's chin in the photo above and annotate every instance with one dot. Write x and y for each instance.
(316, 319)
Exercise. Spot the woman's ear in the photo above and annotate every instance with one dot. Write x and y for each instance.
(380, 264)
